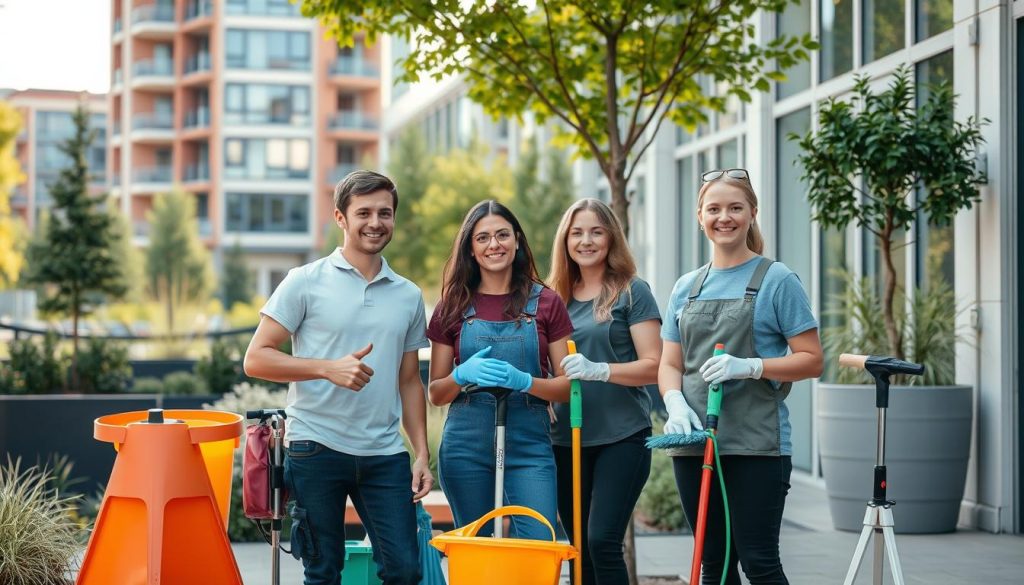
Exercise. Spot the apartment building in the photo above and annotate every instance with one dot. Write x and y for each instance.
(46, 117)
(245, 105)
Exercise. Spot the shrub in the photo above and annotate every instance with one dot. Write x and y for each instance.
(148, 385)
(245, 397)
(659, 501)
(33, 368)
(222, 368)
(39, 541)
(184, 383)
(103, 367)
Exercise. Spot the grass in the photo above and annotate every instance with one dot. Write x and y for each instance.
(39, 541)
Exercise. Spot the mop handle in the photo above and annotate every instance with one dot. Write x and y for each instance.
(715, 394)
(576, 422)
(702, 510)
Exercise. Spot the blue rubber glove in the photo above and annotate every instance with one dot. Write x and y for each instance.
(480, 370)
(515, 380)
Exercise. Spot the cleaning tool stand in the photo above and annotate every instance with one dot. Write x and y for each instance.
(878, 519)
(164, 514)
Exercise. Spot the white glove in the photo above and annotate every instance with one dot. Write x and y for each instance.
(724, 367)
(682, 420)
(578, 367)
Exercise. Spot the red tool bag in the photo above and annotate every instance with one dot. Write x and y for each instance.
(257, 473)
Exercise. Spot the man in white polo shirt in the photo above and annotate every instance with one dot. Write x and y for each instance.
(355, 328)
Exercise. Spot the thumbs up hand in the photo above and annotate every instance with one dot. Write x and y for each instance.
(350, 371)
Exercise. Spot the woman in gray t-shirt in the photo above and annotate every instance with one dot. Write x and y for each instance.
(616, 322)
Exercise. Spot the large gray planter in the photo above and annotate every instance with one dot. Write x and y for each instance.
(927, 448)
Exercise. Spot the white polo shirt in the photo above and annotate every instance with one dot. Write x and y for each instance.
(331, 311)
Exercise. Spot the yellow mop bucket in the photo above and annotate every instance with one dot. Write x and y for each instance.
(476, 559)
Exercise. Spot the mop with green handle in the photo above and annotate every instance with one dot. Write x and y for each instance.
(709, 436)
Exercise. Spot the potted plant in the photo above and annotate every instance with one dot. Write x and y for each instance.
(880, 163)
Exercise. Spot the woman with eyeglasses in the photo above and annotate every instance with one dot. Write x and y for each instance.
(759, 310)
(616, 321)
(497, 327)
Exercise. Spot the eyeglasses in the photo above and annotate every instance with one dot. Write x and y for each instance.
(484, 238)
(731, 173)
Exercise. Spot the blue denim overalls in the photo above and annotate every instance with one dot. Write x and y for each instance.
(466, 465)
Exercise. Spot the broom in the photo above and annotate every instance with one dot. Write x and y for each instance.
(576, 422)
(669, 441)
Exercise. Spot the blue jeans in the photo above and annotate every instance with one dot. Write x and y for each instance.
(320, 480)
(466, 462)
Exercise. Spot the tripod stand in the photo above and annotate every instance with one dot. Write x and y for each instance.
(878, 520)
(274, 420)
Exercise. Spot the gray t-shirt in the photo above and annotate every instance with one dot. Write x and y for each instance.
(610, 412)
(332, 311)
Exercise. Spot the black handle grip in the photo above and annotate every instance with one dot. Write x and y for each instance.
(264, 414)
(890, 365)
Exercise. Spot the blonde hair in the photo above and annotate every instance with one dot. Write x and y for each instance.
(620, 268)
(755, 241)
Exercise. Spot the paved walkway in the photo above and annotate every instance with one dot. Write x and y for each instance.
(813, 553)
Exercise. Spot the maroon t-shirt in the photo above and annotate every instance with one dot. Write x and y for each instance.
(553, 321)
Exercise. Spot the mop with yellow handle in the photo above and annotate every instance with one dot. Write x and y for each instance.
(576, 422)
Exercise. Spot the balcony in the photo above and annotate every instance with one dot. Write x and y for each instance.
(197, 63)
(339, 172)
(198, 9)
(256, 117)
(117, 25)
(117, 79)
(205, 227)
(197, 118)
(115, 128)
(353, 120)
(247, 8)
(153, 121)
(153, 174)
(153, 74)
(197, 172)
(140, 228)
(155, 21)
(19, 197)
(354, 67)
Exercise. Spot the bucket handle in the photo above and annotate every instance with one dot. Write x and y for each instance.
(473, 527)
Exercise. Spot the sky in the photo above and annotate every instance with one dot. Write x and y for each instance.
(55, 44)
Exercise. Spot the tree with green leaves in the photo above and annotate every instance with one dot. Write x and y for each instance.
(11, 229)
(76, 264)
(611, 71)
(178, 268)
(410, 167)
(541, 196)
(880, 163)
(126, 255)
(460, 181)
(236, 283)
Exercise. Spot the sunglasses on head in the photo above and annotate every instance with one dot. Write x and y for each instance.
(731, 173)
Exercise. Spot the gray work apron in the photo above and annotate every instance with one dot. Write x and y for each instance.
(749, 421)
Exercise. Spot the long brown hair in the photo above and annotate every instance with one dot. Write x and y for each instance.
(755, 241)
(461, 277)
(620, 268)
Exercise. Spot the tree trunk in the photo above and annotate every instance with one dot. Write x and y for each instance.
(889, 294)
(629, 552)
(620, 204)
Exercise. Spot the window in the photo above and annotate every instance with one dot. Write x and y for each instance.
(266, 104)
(793, 229)
(257, 212)
(932, 17)
(275, 158)
(836, 22)
(795, 21)
(883, 28)
(728, 154)
(262, 49)
(933, 245)
(686, 194)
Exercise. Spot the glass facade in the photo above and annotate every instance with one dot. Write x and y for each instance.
(268, 49)
(835, 19)
(883, 31)
(932, 17)
(258, 212)
(266, 104)
(795, 21)
(274, 158)
(934, 245)
(53, 128)
(263, 8)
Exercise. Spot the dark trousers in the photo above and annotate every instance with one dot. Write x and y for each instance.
(756, 488)
(611, 478)
(320, 480)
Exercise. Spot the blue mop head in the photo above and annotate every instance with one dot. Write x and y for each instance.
(671, 441)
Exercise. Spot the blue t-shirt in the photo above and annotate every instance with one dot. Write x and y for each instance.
(781, 311)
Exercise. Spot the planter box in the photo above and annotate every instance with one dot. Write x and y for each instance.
(928, 438)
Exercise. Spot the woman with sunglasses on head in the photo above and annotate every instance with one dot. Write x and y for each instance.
(497, 327)
(759, 310)
(616, 322)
